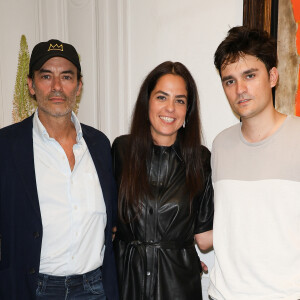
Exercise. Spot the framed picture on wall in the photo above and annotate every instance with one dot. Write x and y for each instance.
(280, 19)
(287, 93)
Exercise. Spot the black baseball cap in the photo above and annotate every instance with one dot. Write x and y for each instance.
(46, 50)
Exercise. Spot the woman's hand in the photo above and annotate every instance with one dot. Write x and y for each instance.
(204, 267)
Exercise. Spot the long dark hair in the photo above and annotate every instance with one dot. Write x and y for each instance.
(134, 183)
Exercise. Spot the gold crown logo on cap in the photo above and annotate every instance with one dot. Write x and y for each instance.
(56, 47)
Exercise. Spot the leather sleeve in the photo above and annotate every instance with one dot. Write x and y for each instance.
(205, 213)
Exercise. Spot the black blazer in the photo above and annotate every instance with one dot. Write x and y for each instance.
(20, 219)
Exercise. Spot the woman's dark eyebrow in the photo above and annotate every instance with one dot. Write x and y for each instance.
(166, 94)
(181, 96)
(161, 92)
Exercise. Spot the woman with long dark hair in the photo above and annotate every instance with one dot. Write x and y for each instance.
(165, 191)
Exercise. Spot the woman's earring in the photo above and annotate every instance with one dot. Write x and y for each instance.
(183, 125)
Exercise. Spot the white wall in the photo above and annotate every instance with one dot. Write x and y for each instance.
(189, 32)
(119, 42)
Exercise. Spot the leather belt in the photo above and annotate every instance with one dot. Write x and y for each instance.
(163, 244)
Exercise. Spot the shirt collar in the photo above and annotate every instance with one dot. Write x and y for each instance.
(175, 147)
(78, 129)
(39, 128)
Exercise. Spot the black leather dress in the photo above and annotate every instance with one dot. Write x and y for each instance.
(155, 253)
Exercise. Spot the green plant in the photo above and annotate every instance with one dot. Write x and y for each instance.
(23, 104)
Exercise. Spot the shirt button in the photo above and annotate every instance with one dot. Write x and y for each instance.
(148, 273)
(75, 207)
(31, 271)
(151, 211)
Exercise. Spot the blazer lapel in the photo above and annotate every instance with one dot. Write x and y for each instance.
(22, 151)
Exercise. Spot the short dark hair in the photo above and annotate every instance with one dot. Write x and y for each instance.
(135, 183)
(241, 41)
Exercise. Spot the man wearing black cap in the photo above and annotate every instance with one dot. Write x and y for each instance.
(57, 192)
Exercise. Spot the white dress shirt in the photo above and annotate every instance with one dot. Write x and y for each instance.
(71, 203)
